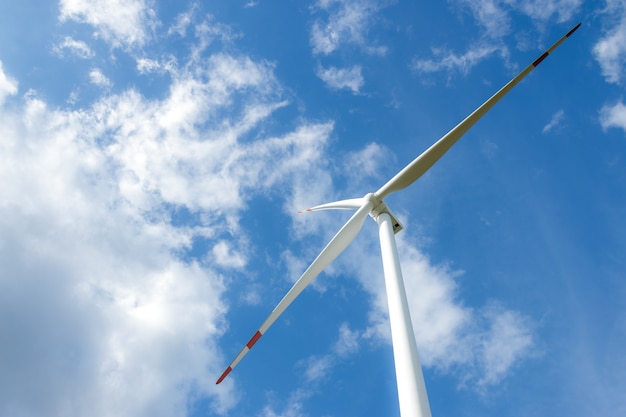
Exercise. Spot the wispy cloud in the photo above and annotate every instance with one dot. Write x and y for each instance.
(122, 23)
(491, 15)
(97, 77)
(204, 28)
(556, 121)
(494, 17)
(293, 406)
(183, 21)
(342, 78)
(449, 61)
(75, 47)
(489, 148)
(494, 20)
(542, 10)
(208, 30)
(347, 23)
(367, 163)
(317, 367)
(147, 65)
(316, 370)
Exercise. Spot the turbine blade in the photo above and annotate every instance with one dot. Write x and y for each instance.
(351, 204)
(337, 245)
(422, 163)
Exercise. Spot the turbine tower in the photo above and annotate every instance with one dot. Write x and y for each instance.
(412, 395)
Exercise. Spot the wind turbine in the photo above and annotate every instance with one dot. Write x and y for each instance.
(410, 380)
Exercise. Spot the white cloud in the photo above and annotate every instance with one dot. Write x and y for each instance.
(556, 121)
(348, 23)
(482, 345)
(292, 408)
(98, 78)
(491, 15)
(125, 23)
(610, 51)
(348, 341)
(340, 78)
(318, 367)
(77, 48)
(146, 65)
(183, 21)
(489, 148)
(364, 165)
(495, 17)
(224, 255)
(450, 61)
(542, 10)
(613, 116)
(507, 340)
(496, 22)
(438, 318)
(205, 29)
(8, 86)
(453, 338)
(96, 294)
(95, 275)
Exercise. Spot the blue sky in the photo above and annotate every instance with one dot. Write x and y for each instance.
(154, 155)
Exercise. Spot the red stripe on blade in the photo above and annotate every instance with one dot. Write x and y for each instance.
(226, 372)
(254, 339)
(541, 58)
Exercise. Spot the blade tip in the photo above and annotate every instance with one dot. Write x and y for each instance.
(224, 375)
(573, 29)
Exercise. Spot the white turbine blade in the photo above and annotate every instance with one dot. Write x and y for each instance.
(351, 204)
(337, 244)
(422, 163)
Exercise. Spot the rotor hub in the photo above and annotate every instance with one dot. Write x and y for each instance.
(378, 207)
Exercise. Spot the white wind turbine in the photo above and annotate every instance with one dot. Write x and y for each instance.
(410, 381)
